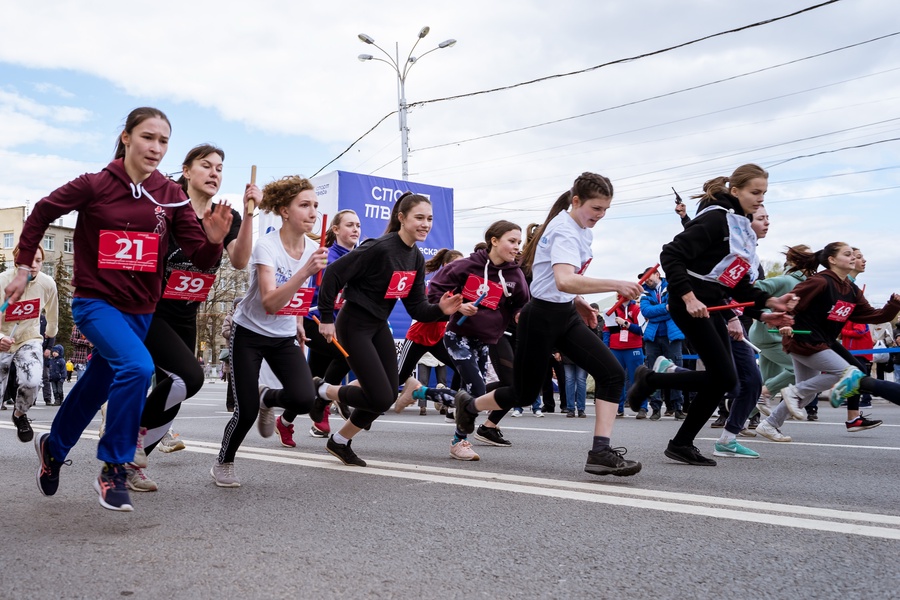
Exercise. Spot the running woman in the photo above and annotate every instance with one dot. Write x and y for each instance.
(557, 317)
(707, 263)
(125, 215)
(325, 360)
(21, 342)
(828, 300)
(172, 336)
(489, 273)
(374, 277)
(268, 323)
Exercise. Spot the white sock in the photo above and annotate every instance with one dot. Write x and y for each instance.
(727, 437)
(340, 439)
(323, 389)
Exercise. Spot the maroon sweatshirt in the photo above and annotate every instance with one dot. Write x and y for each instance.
(108, 200)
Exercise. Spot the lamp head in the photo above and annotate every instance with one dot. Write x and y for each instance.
(424, 31)
(368, 39)
(364, 57)
(447, 43)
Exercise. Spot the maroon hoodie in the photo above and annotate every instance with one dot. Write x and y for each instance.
(108, 200)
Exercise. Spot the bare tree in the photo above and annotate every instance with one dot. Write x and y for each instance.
(229, 284)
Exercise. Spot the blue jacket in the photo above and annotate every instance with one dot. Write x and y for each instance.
(653, 307)
(58, 365)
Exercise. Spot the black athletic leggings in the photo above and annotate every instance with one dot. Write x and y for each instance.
(710, 340)
(412, 352)
(324, 360)
(502, 359)
(544, 326)
(369, 342)
(285, 358)
(178, 377)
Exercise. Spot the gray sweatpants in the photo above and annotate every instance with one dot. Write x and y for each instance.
(815, 374)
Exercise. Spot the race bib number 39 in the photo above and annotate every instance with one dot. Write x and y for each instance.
(128, 250)
(187, 285)
(300, 304)
(24, 310)
(476, 286)
(401, 282)
(841, 311)
(734, 272)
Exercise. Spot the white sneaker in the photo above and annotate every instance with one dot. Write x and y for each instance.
(462, 450)
(664, 365)
(140, 457)
(539, 413)
(406, 396)
(265, 423)
(516, 413)
(171, 442)
(773, 433)
(137, 480)
(792, 400)
(224, 475)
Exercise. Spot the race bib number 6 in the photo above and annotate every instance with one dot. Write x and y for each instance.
(188, 285)
(128, 250)
(401, 282)
(734, 272)
(24, 310)
(300, 304)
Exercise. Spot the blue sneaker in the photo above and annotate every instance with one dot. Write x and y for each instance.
(733, 449)
(111, 487)
(847, 385)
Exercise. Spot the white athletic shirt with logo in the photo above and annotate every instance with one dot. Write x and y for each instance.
(563, 242)
(250, 313)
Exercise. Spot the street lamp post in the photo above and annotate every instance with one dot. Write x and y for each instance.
(402, 72)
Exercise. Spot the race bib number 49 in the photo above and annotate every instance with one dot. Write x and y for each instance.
(300, 304)
(128, 250)
(187, 285)
(24, 310)
(841, 311)
(734, 272)
(401, 282)
(476, 286)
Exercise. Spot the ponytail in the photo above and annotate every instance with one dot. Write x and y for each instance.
(723, 185)
(535, 231)
(441, 258)
(808, 262)
(405, 203)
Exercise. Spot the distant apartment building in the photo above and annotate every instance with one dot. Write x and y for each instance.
(57, 242)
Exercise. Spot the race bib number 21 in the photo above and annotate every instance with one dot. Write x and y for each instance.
(128, 250)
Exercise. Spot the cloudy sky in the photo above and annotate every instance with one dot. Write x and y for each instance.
(812, 98)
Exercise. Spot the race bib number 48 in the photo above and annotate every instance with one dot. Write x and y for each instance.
(24, 310)
(401, 282)
(734, 272)
(300, 304)
(841, 311)
(476, 286)
(187, 285)
(128, 250)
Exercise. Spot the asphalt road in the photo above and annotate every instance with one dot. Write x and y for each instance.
(815, 518)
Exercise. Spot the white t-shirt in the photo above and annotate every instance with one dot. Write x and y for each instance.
(250, 313)
(563, 242)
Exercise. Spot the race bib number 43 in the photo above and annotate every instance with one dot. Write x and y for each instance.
(187, 285)
(24, 310)
(841, 311)
(128, 250)
(734, 272)
(300, 304)
(401, 282)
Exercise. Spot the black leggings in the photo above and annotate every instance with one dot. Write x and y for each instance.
(285, 358)
(547, 393)
(502, 360)
(412, 352)
(325, 361)
(369, 342)
(710, 340)
(178, 377)
(544, 326)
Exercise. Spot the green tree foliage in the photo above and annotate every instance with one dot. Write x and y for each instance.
(63, 278)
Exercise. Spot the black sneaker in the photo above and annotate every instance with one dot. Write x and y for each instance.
(492, 436)
(640, 390)
(862, 422)
(581, 414)
(812, 413)
(110, 485)
(655, 415)
(343, 409)
(669, 412)
(611, 462)
(465, 420)
(720, 421)
(754, 421)
(689, 455)
(23, 427)
(344, 453)
(48, 473)
(680, 415)
(317, 412)
(570, 414)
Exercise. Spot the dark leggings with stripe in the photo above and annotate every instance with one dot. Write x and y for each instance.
(325, 361)
(285, 358)
(369, 342)
(543, 327)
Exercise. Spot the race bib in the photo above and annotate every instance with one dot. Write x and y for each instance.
(401, 282)
(476, 286)
(841, 311)
(734, 272)
(24, 310)
(128, 250)
(339, 300)
(188, 285)
(300, 304)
